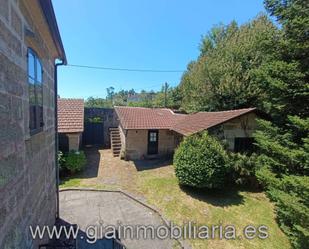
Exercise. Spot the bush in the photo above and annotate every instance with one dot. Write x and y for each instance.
(243, 169)
(61, 160)
(201, 161)
(75, 161)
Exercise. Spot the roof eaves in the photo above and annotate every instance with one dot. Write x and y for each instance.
(49, 13)
(212, 126)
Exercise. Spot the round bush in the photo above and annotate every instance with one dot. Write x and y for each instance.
(201, 161)
(75, 161)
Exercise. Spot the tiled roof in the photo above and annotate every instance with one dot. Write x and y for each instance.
(70, 115)
(159, 118)
(200, 121)
(147, 118)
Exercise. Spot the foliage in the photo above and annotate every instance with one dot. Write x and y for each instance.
(142, 99)
(243, 169)
(285, 75)
(110, 94)
(267, 66)
(94, 120)
(201, 161)
(75, 161)
(97, 102)
(222, 76)
(61, 160)
(280, 152)
(283, 168)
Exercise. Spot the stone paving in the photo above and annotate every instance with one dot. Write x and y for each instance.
(86, 208)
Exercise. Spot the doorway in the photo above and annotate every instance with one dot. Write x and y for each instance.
(153, 137)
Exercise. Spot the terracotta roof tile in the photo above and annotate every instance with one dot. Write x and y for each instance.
(200, 121)
(147, 118)
(161, 118)
(70, 115)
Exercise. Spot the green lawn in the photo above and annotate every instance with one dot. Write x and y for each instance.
(230, 207)
(236, 207)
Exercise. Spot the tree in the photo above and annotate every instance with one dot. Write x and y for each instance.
(110, 94)
(283, 161)
(283, 169)
(97, 102)
(222, 76)
(267, 66)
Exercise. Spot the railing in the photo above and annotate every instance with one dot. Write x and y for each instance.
(115, 245)
(59, 244)
(63, 243)
(56, 246)
(118, 245)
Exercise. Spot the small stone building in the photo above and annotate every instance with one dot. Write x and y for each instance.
(29, 44)
(155, 132)
(70, 124)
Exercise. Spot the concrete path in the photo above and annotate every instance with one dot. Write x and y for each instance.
(86, 208)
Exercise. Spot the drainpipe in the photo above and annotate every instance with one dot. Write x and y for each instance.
(62, 63)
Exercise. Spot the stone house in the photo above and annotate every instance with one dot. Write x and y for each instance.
(29, 45)
(70, 123)
(154, 132)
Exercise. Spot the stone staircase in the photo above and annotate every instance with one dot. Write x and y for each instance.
(115, 141)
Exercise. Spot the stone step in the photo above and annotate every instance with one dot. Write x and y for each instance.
(116, 140)
(115, 135)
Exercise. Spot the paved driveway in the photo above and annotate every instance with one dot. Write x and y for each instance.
(95, 208)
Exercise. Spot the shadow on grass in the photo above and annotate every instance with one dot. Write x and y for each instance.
(91, 168)
(215, 197)
(148, 164)
(93, 162)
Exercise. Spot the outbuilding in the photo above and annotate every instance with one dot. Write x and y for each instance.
(155, 132)
(70, 123)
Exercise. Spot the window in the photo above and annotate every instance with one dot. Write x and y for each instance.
(35, 92)
(153, 136)
(243, 144)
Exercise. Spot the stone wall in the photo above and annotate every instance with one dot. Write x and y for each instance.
(74, 141)
(243, 126)
(109, 117)
(136, 143)
(27, 170)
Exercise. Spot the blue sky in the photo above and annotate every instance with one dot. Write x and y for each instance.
(156, 34)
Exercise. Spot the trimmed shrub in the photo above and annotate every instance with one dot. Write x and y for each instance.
(201, 161)
(75, 161)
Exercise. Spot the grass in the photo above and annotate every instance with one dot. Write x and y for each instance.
(236, 207)
(78, 182)
(229, 207)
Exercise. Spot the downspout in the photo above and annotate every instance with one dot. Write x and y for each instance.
(62, 63)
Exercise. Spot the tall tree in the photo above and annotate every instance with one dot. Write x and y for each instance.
(110, 93)
(222, 76)
(284, 145)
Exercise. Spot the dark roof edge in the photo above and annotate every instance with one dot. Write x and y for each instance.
(49, 13)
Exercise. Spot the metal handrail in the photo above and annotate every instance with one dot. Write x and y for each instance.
(118, 245)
